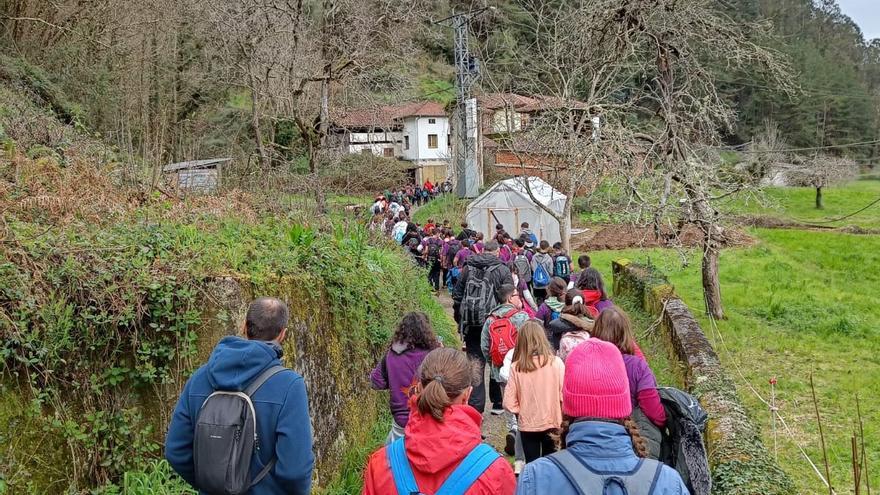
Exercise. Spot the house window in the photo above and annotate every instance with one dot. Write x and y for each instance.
(432, 121)
(388, 152)
(366, 151)
(432, 141)
(406, 142)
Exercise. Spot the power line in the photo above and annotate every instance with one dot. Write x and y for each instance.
(872, 203)
(815, 148)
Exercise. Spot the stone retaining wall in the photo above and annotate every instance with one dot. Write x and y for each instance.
(740, 463)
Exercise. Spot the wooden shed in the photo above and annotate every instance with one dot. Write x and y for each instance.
(196, 175)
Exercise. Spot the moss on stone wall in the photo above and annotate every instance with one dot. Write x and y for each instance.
(740, 463)
(345, 297)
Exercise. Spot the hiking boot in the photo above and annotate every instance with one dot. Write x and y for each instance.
(510, 443)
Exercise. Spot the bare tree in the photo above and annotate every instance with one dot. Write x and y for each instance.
(578, 70)
(648, 68)
(821, 171)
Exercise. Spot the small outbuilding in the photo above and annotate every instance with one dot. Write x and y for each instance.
(196, 175)
(507, 202)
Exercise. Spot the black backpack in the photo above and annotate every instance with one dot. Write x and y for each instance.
(479, 296)
(434, 247)
(561, 267)
(225, 440)
(682, 446)
(451, 250)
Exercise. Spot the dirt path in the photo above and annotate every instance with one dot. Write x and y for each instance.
(494, 427)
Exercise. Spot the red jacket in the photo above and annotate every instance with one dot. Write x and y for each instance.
(434, 450)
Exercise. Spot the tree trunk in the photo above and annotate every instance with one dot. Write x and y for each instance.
(819, 204)
(324, 123)
(565, 225)
(711, 284)
(255, 121)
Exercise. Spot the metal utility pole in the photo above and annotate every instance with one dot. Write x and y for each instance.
(468, 177)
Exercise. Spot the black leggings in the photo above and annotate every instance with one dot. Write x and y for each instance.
(537, 444)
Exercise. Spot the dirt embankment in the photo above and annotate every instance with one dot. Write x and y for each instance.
(624, 236)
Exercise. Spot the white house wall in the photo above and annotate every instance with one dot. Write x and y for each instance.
(418, 129)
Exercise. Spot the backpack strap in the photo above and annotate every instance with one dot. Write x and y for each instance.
(260, 380)
(469, 470)
(581, 479)
(404, 479)
(249, 391)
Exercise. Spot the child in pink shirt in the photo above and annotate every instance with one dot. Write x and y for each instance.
(534, 391)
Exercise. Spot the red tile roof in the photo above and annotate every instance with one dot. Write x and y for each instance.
(387, 115)
(526, 104)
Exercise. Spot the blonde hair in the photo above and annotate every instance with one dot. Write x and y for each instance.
(531, 342)
(444, 374)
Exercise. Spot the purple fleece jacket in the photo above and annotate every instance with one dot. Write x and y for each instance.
(398, 374)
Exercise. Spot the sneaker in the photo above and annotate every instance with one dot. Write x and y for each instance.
(518, 467)
(497, 410)
(510, 444)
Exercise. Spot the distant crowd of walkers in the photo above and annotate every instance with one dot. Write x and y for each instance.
(582, 407)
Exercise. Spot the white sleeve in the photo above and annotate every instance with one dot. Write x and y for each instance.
(504, 372)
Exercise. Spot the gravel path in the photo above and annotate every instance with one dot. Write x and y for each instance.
(494, 427)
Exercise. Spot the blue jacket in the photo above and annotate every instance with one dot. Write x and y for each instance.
(600, 446)
(282, 412)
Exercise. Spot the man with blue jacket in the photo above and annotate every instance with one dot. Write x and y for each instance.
(280, 404)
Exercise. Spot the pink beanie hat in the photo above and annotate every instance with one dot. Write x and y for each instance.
(595, 383)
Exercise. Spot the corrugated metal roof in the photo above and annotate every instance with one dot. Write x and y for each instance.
(194, 164)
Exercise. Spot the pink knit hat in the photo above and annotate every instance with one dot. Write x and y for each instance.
(595, 383)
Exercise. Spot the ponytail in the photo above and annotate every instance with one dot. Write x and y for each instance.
(444, 374)
(433, 400)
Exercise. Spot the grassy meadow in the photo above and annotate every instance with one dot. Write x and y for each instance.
(797, 303)
(798, 204)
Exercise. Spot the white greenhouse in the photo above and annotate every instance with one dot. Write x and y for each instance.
(507, 202)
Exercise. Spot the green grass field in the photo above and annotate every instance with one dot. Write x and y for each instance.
(797, 303)
(799, 204)
(446, 207)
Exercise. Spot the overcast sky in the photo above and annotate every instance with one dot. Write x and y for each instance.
(866, 13)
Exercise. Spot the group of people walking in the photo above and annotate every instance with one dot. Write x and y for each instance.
(579, 399)
(564, 370)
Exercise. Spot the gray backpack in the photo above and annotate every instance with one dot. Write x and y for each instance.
(479, 296)
(640, 481)
(523, 267)
(226, 438)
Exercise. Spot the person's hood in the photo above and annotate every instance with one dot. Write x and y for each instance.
(484, 260)
(432, 446)
(591, 296)
(578, 322)
(599, 439)
(554, 304)
(502, 310)
(235, 362)
(399, 347)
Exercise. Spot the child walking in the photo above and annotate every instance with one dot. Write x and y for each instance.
(413, 340)
(534, 391)
(614, 326)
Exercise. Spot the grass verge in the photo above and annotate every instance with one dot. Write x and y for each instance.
(797, 303)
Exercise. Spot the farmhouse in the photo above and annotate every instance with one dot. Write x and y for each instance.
(502, 114)
(414, 132)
